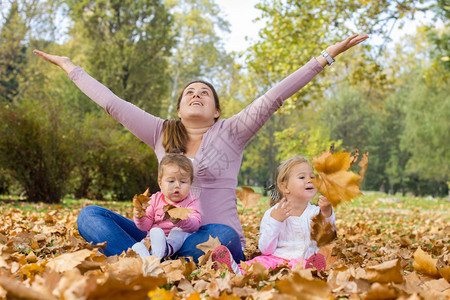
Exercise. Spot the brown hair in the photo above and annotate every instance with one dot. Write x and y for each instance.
(282, 175)
(180, 161)
(175, 135)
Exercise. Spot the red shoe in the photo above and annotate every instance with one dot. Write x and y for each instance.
(317, 261)
(222, 255)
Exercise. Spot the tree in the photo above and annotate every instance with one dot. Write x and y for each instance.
(125, 46)
(12, 53)
(199, 52)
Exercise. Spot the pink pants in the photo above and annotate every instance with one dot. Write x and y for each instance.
(271, 261)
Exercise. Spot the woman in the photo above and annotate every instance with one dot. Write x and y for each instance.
(215, 147)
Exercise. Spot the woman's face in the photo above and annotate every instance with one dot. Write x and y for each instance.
(197, 103)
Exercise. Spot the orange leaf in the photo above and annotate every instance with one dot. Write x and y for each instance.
(423, 262)
(335, 181)
(140, 203)
(443, 268)
(363, 164)
(181, 213)
(248, 197)
(322, 231)
(209, 245)
(296, 285)
(390, 271)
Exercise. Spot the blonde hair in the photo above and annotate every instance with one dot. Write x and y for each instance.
(282, 175)
(180, 161)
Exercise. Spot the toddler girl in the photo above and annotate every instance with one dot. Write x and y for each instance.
(167, 234)
(285, 231)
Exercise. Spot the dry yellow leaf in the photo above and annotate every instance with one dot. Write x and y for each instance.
(140, 203)
(248, 197)
(209, 245)
(181, 213)
(296, 285)
(335, 181)
(390, 271)
(424, 263)
(363, 164)
(322, 231)
(443, 268)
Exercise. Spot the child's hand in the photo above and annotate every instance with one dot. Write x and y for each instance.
(282, 211)
(325, 206)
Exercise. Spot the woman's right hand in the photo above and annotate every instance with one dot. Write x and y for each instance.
(61, 61)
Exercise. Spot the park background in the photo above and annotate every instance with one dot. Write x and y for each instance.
(60, 152)
(388, 97)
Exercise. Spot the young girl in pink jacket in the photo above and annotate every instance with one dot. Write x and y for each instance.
(167, 234)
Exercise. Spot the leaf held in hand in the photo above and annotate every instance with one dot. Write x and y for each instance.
(335, 181)
(140, 203)
(181, 213)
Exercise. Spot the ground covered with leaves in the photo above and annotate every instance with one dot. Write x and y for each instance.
(387, 248)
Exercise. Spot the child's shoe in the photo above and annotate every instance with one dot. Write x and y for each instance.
(317, 261)
(222, 255)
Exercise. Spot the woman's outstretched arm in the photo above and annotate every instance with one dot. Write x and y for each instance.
(61, 61)
(340, 47)
(142, 124)
(247, 122)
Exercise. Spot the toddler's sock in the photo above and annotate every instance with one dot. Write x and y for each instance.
(140, 249)
(159, 242)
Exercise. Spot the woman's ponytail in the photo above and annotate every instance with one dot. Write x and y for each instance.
(175, 136)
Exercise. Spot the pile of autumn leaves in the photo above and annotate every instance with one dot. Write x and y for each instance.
(43, 257)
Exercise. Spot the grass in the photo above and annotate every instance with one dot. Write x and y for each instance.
(369, 201)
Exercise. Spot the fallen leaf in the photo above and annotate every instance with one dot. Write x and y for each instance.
(68, 261)
(424, 263)
(334, 181)
(151, 266)
(443, 268)
(382, 291)
(296, 286)
(390, 271)
(209, 245)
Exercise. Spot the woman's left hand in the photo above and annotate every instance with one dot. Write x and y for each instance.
(340, 47)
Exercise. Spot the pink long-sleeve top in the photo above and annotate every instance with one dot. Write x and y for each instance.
(155, 215)
(218, 160)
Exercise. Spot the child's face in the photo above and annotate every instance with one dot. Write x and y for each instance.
(299, 187)
(175, 183)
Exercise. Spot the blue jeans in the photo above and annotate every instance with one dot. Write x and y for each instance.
(97, 224)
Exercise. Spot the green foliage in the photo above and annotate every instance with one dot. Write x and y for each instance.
(198, 52)
(36, 149)
(125, 45)
(12, 53)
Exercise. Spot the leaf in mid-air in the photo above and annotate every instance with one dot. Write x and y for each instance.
(322, 231)
(335, 181)
(248, 197)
